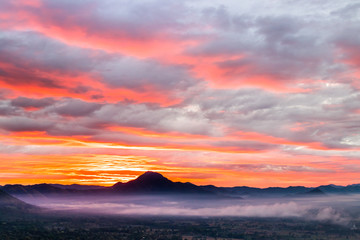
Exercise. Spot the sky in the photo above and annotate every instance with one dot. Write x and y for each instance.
(229, 93)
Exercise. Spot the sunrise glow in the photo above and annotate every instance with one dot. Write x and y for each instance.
(208, 92)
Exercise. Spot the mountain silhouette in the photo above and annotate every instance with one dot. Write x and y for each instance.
(77, 187)
(153, 182)
(12, 205)
(149, 180)
(37, 189)
(6, 198)
(316, 192)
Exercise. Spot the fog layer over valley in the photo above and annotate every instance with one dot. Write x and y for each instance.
(335, 209)
(153, 194)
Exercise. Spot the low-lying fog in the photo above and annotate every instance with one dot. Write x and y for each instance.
(336, 209)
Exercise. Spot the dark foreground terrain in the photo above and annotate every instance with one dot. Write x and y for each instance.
(306, 213)
(61, 225)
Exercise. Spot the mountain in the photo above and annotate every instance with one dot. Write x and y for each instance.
(45, 189)
(77, 187)
(333, 189)
(6, 198)
(12, 205)
(155, 183)
(152, 182)
(316, 192)
(37, 189)
(147, 183)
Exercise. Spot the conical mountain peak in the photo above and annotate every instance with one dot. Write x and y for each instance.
(150, 176)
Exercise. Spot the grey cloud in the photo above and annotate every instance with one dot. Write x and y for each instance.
(23, 76)
(6, 109)
(329, 153)
(348, 44)
(286, 47)
(273, 168)
(31, 52)
(45, 53)
(76, 108)
(137, 75)
(271, 42)
(217, 16)
(19, 124)
(121, 137)
(90, 117)
(325, 115)
(218, 104)
(245, 145)
(116, 19)
(72, 129)
(81, 89)
(32, 102)
(155, 118)
(351, 10)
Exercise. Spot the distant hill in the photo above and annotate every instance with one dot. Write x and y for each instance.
(77, 187)
(152, 182)
(37, 189)
(313, 192)
(147, 183)
(256, 192)
(155, 183)
(6, 198)
(12, 205)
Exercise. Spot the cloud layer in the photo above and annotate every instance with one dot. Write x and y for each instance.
(248, 93)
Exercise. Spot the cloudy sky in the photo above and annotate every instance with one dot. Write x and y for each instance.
(257, 93)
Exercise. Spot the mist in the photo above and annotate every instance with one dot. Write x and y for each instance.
(341, 210)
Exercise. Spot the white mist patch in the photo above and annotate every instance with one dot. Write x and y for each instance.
(319, 209)
(330, 213)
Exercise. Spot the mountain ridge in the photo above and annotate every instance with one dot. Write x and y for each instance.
(11, 205)
(155, 183)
